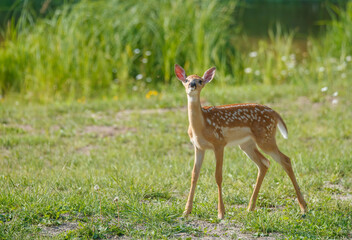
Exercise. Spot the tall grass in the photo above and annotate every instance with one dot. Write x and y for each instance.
(271, 61)
(337, 41)
(112, 46)
(332, 54)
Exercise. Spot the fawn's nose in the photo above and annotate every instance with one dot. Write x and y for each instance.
(193, 84)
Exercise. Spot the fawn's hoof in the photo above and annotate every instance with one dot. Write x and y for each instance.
(250, 209)
(304, 209)
(186, 213)
(221, 216)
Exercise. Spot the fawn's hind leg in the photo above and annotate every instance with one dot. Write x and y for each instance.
(262, 163)
(285, 162)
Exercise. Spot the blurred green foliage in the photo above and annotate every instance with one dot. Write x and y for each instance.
(94, 48)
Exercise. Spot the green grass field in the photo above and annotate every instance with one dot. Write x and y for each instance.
(93, 124)
(63, 164)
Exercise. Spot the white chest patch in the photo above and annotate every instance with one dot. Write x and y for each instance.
(191, 98)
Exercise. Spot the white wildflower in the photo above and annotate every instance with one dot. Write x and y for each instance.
(341, 67)
(148, 53)
(144, 60)
(148, 79)
(324, 89)
(343, 75)
(292, 56)
(348, 58)
(96, 188)
(116, 199)
(135, 88)
(335, 94)
(290, 65)
(257, 72)
(283, 58)
(137, 51)
(335, 101)
(248, 70)
(321, 69)
(332, 60)
(253, 54)
(139, 76)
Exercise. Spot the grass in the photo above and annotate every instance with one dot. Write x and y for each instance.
(53, 156)
(107, 48)
(96, 47)
(114, 124)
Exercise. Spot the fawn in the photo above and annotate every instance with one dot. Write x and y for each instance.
(248, 125)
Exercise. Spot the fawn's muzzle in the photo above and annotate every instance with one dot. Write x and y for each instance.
(193, 84)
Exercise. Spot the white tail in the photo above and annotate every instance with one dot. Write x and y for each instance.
(282, 128)
(248, 125)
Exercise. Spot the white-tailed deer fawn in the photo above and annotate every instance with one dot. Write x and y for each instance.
(248, 125)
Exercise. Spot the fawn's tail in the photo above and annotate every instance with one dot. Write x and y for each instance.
(282, 127)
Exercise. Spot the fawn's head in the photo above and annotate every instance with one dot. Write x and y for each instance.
(194, 83)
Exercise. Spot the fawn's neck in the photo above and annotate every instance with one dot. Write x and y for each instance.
(195, 115)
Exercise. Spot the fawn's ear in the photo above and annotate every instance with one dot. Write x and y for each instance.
(180, 73)
(209, 75)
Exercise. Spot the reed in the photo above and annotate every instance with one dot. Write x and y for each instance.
(111, 47)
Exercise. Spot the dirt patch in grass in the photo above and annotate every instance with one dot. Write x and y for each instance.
(203, 230)
(55, 128)
(335, 187)
(25, 127)
(304, 101)
(55, 230)
(124, 115)
(86, 149)
(338, 191)
(347, 197)
(107, 131)
(4, 152)
(222, 230)
(329, 101)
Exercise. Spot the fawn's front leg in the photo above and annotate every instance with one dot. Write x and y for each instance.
(219, 156)
(198, 160)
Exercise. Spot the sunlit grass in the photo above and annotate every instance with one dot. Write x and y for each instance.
(53, 156)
